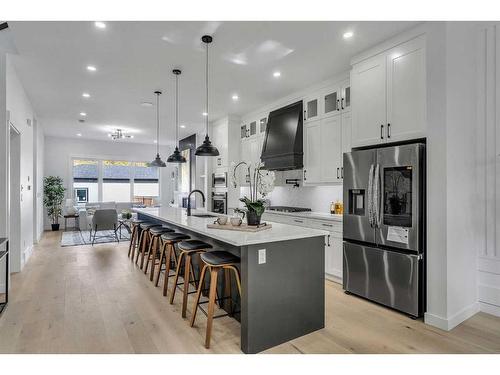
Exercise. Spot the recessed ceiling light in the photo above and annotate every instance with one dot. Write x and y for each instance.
(277, 74)
(348, 34)
(235, 97)
(131, 136)
(155, 141)
(147, 104)
(79, 134)
(183, 126)
(86, 95)
(205, 114)
(83, 114)
(91, 68)
(100, 24)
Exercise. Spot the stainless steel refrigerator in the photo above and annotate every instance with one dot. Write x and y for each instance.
(384, 226)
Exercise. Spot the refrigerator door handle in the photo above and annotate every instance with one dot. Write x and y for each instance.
(370, 197)
(376, 197)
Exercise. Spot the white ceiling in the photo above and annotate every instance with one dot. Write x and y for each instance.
(133, 59)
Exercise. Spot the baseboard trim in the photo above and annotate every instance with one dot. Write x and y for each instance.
(447, 324)
(490, 309)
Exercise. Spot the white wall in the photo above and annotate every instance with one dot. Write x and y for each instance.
(487, 199)
(60, 151)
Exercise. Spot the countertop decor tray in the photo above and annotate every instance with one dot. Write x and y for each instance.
(241, 228)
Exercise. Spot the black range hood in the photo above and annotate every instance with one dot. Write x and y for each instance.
(282, 149)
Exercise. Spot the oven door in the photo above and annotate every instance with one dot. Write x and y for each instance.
(219, 203)
(399, 190)
(219, 179)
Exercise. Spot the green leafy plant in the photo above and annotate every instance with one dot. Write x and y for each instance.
(53, 196)
(256, 206)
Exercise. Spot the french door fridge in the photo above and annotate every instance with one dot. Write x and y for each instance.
(384, 226)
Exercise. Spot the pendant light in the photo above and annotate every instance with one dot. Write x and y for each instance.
(206, 148)
(176, 157)
(157, 162)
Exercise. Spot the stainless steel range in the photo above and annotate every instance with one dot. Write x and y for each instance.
(384, 226)
(288, 209)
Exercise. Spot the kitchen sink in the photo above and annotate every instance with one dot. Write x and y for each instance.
(204, 215)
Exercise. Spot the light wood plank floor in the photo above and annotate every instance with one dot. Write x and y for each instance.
(94, 300)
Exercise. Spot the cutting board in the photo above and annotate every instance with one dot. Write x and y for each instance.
(241, 228)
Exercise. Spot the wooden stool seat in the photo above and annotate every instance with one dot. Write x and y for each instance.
(134, 237)
(187, 249)
(144, 240)
(154, 248)
(168, 255)
(215, 261)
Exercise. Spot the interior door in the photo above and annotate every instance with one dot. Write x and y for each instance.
(356, 224)
(312, 138)
(406, 91)
(331, 149)
(399, 212)
(368, 88)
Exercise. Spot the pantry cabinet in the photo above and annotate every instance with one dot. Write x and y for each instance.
(251, 150)
(388, 95)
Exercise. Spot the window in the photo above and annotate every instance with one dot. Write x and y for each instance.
(116, 180)
(146, 186)
(86, 180)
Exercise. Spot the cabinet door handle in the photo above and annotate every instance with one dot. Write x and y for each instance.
(304, 174)
(328, 240)
(381, 131)
(337, 173)
(305, 115)
(338, 105)
(342, 105)
(341, 172)
(388, 130)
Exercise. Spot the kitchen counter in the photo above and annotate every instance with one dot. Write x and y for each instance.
(282, 275)
(278, 232)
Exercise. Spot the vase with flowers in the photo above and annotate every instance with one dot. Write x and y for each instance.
(261, 183)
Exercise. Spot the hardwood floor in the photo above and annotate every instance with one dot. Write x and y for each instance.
(94, 300)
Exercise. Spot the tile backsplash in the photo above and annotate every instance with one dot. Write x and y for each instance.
(317, 198)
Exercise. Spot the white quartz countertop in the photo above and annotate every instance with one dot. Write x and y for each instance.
(308, 214)
(278, 232)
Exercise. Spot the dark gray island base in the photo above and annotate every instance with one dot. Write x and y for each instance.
(283, 298)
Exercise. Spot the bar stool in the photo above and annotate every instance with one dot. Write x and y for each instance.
(215, 261)
(154, 247)
(134, 236)
(187, 249)
(144, 239)
(168, 255)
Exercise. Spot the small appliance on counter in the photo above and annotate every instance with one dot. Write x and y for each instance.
(337, 208)
(384, 226)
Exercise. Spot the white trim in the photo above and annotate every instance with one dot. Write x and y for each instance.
(489, 309)
(26, 256)
(447, 324)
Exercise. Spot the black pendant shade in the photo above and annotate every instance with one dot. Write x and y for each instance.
(176, 157)
(157, 162)
(206, 148)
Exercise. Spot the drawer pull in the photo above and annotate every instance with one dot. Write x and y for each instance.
(298, 221)
(327, 225)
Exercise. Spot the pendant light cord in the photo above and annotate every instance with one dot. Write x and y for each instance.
(158, 123)
(176, 110)
(206, 81)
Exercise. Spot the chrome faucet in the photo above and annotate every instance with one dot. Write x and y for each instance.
(189, 200)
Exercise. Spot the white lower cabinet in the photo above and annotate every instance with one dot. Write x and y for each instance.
(333, 256)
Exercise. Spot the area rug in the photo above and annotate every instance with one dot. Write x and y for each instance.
(77, 238)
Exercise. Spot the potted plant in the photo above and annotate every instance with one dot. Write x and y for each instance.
(53, 196)
(261, 183)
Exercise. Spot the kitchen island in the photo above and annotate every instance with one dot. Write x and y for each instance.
(282, 275)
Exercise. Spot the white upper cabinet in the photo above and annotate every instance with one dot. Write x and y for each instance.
(331, 149)
(312, 108)
(388, 95)
(331, 101)
(368, 80)
(406, 91)
(345, 96)
(312, 152)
